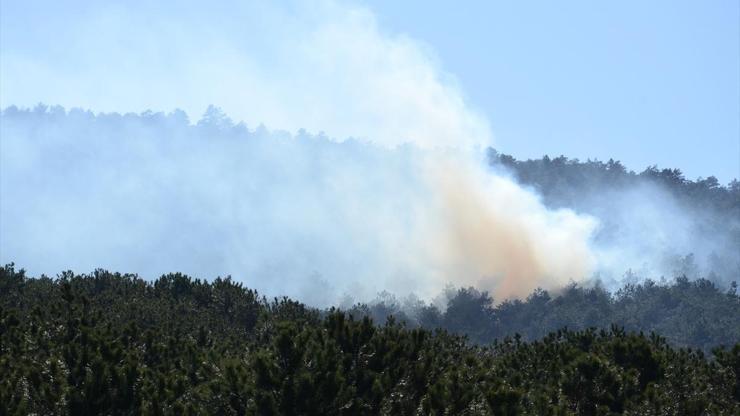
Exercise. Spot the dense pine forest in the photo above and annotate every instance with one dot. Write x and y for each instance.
(107, 343)
(694, 314)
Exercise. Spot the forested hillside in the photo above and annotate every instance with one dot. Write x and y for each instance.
(694, 314)
(678, 226)
(107, 343)
(561, 180)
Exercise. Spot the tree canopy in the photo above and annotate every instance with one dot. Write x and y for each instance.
(110, 343)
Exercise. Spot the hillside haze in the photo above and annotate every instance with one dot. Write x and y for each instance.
(321, 219)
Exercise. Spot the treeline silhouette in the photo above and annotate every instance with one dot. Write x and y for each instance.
(110, 343)
(562, 181)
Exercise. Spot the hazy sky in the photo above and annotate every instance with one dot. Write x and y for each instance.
(642, 82)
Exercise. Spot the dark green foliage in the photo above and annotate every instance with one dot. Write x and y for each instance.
(694, 314)
(107, 343)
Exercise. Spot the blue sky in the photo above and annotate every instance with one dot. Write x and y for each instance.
(644, 82)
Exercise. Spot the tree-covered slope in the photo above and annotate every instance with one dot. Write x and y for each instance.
(660, 222)
(107, 343)
(694, 314)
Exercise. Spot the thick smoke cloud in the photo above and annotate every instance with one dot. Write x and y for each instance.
(407, 205)
(501, 233)
(404, 207)
(300, 215)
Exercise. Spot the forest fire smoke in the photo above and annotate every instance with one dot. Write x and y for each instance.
(395, 196)
(304, 216)
(292, 214)
(497, 236)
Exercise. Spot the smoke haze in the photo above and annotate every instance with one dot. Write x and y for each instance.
(320, 66)
(152, 194)
(395, 195)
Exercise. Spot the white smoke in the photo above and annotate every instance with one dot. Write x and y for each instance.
(408, 207)
(299, 215)
(321, 66)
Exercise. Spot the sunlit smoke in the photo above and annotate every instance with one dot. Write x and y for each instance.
(407, 207)
(499, 237)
